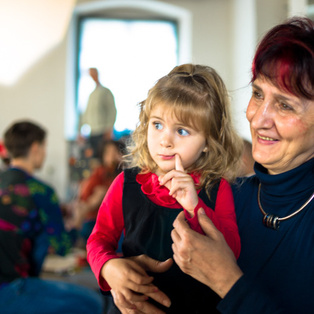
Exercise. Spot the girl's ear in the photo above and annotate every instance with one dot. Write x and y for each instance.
(205, 149)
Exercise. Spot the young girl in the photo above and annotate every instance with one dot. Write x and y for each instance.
(185, 150)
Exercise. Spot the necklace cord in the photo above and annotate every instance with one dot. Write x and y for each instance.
(283, 218)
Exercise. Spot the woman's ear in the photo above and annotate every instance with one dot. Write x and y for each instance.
(205, 149)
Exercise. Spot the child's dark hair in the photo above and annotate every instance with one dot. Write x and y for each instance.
(20, 136)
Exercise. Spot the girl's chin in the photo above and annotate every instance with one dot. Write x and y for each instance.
(163, 171)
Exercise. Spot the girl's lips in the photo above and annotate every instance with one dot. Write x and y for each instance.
(166, 157)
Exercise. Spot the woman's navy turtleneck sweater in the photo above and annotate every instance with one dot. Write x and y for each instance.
(278, 265)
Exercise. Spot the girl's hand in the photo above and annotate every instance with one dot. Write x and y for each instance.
(131, 286)
(181, 186)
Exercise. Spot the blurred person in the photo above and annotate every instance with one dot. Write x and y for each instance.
(247, 164)
(5, 161)
(94, 188)
(31, 226)
(100, 114)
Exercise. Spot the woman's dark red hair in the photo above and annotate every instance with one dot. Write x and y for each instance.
(285, 57)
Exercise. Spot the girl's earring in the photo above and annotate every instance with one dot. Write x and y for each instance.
(205, 149)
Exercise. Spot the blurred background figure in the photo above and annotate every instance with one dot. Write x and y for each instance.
(247, 165)
(96, 123)
(31, 226)
(4, 157)
(93, 189)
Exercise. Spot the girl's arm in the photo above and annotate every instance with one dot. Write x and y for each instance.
(223, 217)
(127, 279)
(103, 241)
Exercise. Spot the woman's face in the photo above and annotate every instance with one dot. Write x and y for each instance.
(282, 127)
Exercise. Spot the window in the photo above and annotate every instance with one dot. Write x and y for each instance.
(130, 55)
(117, 10)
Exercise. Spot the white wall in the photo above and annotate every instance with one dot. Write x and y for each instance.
(40, 93)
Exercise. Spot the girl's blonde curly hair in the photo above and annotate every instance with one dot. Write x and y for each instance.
(197, 96)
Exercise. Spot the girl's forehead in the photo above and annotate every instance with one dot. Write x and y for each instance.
(161, 108)
(165, 111)
(176, 114)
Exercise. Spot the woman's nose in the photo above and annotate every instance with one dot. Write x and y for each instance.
(260, 116)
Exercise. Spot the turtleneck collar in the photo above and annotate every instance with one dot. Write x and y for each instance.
(300, 180)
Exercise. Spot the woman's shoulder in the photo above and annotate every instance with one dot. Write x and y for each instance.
(244, 185)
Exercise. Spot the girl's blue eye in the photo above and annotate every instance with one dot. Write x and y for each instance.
(158, 125)
(183, 132)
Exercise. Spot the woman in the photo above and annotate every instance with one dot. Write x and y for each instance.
(275, 270)
(275, 207)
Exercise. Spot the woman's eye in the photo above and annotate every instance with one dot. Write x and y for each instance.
(157, 125)
(183, 132)
(285, 106)
(256, 94)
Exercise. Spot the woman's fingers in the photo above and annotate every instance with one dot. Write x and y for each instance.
(207, 258)
(121, 302)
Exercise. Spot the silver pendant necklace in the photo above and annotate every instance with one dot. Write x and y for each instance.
(273, 221)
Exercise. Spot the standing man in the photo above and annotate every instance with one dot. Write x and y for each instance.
(100, 113)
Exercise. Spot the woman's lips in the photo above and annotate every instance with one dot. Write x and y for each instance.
(266, 139)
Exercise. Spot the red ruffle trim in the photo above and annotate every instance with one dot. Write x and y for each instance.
(157, 193)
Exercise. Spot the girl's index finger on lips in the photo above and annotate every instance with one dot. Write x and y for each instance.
(178, 162)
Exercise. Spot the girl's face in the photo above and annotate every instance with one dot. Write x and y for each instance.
(167, 136)
(282, 127)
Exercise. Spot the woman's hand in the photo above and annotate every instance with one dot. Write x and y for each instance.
(181, 186)
(207, 258)
(131, 286)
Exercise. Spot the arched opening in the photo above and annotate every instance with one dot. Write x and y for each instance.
(119, 9)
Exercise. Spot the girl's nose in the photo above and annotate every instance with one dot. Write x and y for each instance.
(166, 140)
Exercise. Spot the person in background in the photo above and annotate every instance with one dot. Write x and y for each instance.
(100, 113)
(94, 188)
(184, 145)
(247, 164)
(274, 208)
(5, 161)
(31, 225)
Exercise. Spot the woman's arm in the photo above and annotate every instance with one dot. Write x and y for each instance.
(208, 259)
(223, 217)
